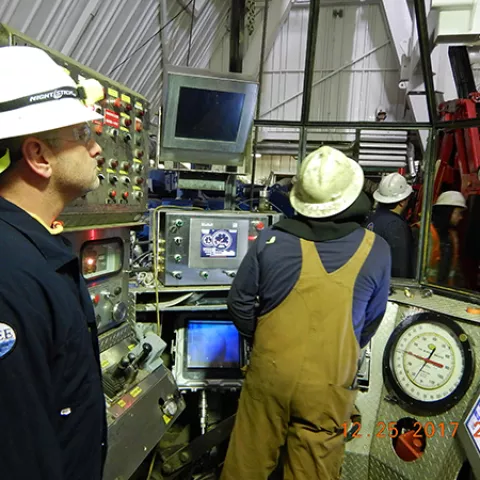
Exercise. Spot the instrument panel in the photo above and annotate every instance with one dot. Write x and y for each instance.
(123, 136)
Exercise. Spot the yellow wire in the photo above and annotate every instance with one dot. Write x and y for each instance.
(152, 463)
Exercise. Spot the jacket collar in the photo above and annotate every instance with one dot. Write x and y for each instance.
(56, 249)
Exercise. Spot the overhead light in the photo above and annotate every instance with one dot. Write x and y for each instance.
(258, 155)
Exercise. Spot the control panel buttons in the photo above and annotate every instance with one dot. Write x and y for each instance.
(259, 226)
(178, 240)
(170, 407)
(101, 177)
(139, 153)
(128, 107)
(113, 132)
(138, 168)
(177, 275)
(125, 195)
(138, 195)
(125, 166)
(95, 299)
(230, 273)
(98, 129)
(119, 312)
(126, 122)
(138, 125)
(112, 194)
(113, 179)
(177, 258)
(139, 180)
(204, 274)
(127, 138)
(117, 103)
(100, 160)
(113, 163)
(178, 223)
(125, 180)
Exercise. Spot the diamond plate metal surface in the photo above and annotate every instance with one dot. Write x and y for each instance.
(371, 457)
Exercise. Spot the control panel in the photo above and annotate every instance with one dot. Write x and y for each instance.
(123, 135)
(205, 248)
(104, 256)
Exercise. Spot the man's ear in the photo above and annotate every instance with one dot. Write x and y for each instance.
(36, 154)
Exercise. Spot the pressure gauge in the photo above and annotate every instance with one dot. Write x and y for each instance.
(428, 364)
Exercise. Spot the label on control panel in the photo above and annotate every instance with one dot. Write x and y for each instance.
(135, 392)
(138, 106)
(125, 98)
(112, 92)
(121, 403)
(112, 119)
(166, 419)
(105, 364)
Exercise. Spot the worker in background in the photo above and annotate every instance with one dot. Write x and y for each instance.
(311, 292)
(52, 408)
(443, 245)
(387, 221)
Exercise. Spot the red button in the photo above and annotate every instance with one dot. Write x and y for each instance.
(125, 195)
(113, 193)
(96, 299)
(259, 225)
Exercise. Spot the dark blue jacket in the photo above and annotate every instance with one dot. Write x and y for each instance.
(52, 408)
(397, 233)
(271, 269)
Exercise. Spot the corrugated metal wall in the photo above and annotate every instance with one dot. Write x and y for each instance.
(356, 69)
(104, 33)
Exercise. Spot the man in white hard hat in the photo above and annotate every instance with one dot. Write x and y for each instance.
(387, 221)
(443, 265)
(310, 292)
(52, 408)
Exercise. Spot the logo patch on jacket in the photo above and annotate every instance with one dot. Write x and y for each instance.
(8, 338)
(370, 226)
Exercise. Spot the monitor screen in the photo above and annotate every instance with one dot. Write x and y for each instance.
(472, 425)
(212, 344)
(218, 242)
(208, 114)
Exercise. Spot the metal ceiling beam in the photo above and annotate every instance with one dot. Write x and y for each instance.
(278, 12)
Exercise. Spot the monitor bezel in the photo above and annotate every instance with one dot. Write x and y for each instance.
(178, 77)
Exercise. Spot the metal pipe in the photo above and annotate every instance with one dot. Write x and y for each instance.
(411, 161)
(190, 36)
(164, 32)
(259, 98)
(424, 44)
(356, 125)
(429, 179)
(379, 163)
(203, 412)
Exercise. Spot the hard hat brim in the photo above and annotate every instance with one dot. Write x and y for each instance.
(389, 200)
(329, 209)
(45, 116)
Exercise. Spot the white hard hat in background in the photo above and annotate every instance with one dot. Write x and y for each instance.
(393, 188)
(328, 183)
(451, 199)
(37, 94)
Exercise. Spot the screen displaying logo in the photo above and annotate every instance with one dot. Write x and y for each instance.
(218, 243)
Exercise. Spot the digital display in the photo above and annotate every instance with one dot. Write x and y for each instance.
(473, 425)
(101, 258)
(218, 242)
(212, 344)
(208, 114)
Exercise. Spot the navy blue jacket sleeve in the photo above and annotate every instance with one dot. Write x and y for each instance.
(242, 298)
(377, 304)
(29, 447)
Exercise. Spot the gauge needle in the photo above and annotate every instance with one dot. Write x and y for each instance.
(426, 360)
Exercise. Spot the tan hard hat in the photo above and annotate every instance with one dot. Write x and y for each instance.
(328, 183)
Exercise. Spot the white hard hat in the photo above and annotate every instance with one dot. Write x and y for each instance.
(393, 188)
(37, 94)
(328, 183)
(451, 199)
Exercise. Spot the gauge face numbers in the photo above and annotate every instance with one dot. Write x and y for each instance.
(428, 362)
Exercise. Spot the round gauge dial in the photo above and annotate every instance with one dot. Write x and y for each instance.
(428, 363)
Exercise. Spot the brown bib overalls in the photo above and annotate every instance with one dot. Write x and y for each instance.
(297, 388)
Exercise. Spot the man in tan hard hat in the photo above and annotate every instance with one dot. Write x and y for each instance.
(52, 408)
(310, 292)
(392, 196)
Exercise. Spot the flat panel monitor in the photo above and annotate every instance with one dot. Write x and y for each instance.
(207, 117)
(213, 344)
(469, 435)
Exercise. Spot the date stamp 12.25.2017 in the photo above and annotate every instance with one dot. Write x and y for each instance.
(391, 430)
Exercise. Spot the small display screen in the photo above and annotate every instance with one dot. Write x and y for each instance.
(212, 344)
(101, 257)
(208, 114)
(473, 425)
(218, 242)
